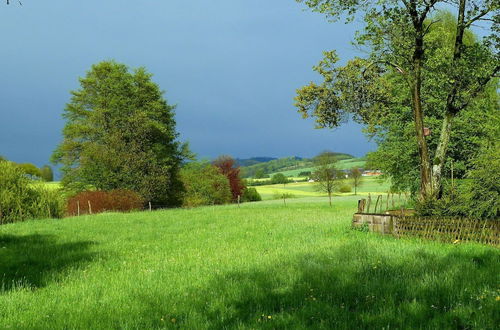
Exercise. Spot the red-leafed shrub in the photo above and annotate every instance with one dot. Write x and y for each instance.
(227, 166)
(100, 201)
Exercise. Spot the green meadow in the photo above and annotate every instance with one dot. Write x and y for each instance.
(369, 185)
(261, 265)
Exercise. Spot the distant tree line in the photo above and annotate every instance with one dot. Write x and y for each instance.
(44, 173)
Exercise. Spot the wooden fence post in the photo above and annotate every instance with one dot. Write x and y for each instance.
(78, 207)
(90, 208)
(387, 204)
(149, 206)
(376, 203)
(239, 199)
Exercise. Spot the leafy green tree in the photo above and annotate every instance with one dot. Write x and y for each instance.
(227, 166)
(120, 134)
(260, 174)
(356, 176)
(204, 185)
(46, 173)
(405, 67)
(325, 175)
(30, 170)
(251, 195)
(279, 178)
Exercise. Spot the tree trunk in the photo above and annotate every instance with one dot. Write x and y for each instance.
(440, 157)
(426, 191)
(330, 198)
(451, 110)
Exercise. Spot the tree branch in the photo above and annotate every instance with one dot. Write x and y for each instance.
(479, 16)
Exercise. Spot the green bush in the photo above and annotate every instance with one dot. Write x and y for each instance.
(251, 195)
(345, 188)
(22, 199)
(279, 178)
(204, 185)
(477, 196)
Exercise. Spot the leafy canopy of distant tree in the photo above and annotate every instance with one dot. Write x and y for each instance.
(120, 134)
(356, 176)
(410, 68)
(279, 178)
(204, 185)
(325, 174)
(227, 166)
(45, 172)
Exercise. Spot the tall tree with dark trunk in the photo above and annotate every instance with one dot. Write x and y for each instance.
(396, 37)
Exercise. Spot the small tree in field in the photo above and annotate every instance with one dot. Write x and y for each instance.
(227, 166)
(325, 174)
(356, 178)
(279, 178)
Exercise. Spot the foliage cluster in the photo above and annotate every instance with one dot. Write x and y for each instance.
(424, 69)
(279, 178)
(227, 166)
(120, 200)
(204, 184)
(251, 195)
(120, 134)
(345, 188)
(45, 172)
(21, 200)
(477, 196)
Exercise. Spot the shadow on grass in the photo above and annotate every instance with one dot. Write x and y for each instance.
(33, 261)
(353, 287)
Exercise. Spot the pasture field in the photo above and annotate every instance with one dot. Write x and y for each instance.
(372, 185)
(263, 265)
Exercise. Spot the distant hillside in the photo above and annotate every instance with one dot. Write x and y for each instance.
(253, 161)
(343, 164)
(284, 164)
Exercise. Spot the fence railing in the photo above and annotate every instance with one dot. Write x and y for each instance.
(449, 229)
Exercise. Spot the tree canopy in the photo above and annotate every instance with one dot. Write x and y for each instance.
(418, 66)
(120, 134)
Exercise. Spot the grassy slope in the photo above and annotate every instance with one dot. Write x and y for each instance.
(341, 165)
(263, 265)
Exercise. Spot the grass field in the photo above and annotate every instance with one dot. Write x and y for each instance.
(264, 265)
(370, 185)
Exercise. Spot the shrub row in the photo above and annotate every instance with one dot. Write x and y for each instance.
(89, 202)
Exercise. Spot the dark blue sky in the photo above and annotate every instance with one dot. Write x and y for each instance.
(231, 66)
